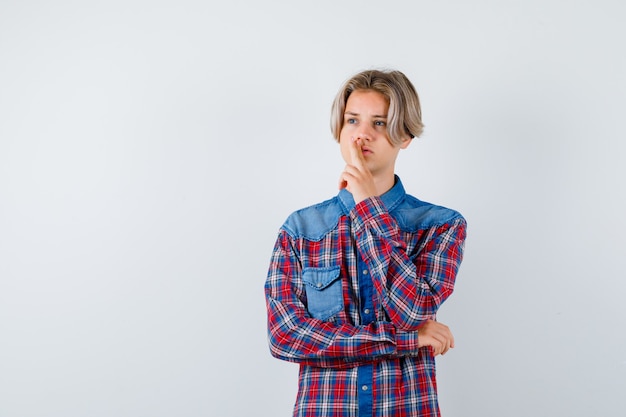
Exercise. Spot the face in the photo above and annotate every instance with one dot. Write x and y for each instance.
(365, 117)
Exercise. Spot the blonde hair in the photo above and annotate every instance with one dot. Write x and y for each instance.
(405, 114)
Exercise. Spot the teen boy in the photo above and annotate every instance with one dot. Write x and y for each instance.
(355, 282)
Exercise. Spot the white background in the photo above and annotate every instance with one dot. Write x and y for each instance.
(150, 150)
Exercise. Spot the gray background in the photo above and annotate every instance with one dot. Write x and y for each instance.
(149, 151)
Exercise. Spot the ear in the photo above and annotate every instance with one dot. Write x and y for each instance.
(406, 142)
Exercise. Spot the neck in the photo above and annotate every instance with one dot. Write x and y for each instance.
(384, 183)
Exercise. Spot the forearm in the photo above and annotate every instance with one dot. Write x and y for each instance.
(409, 289)
(296, 338)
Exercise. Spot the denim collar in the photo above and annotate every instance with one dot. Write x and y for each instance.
(390, 199)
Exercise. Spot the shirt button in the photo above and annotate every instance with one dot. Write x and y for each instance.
(364, 387)
(365, 272)
(366, 311)
(319, 285)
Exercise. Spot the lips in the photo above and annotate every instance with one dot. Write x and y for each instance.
(366, 150)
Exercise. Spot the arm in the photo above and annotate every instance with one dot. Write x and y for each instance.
(295, 336)
(410, 291)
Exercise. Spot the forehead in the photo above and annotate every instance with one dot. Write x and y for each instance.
(367, 101)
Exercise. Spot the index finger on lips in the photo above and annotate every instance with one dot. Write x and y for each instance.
(356, 152)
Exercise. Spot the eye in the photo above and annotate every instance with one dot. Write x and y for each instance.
(380, 123)
(351, 121)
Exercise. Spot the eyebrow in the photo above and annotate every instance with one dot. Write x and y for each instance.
(376, 116)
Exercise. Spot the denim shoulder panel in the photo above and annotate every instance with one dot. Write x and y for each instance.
(314, 222)
(413, 214)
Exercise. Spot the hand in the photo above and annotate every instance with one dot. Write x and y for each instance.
(436, 335)
(356, 177)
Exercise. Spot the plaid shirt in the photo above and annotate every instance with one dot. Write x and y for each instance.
(347, 289)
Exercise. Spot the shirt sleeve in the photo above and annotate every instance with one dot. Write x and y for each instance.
(410, 290)
(297, 337)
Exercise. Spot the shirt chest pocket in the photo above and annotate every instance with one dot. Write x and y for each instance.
(323, 291)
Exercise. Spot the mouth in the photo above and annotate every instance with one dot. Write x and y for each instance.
(366, 151)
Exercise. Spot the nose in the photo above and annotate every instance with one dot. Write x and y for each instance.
(365, 135)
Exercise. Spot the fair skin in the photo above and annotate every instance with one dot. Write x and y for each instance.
(365, 147)
(370, 166)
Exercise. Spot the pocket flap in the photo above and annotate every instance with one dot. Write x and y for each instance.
(320, 278)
